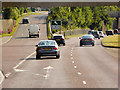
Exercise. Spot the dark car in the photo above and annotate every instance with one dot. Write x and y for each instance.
(116, 31)
(90, 31)
(109, 32)
(47, 48)
(59, 38)
(96, 34)
(25, 21)
(87, 40)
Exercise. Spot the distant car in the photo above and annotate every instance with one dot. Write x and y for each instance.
(109, 32)
(25, 20)
(87, 40)
(33, 30)
(96, 34)
(90, 31)
(116, 31)
(101, 33)
(59, 38)
(47, 48)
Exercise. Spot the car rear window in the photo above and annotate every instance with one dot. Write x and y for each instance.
(83, 37)
(57, 37)
(47, 43)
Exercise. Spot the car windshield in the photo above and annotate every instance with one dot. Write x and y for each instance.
(89, 36)
(47, 43)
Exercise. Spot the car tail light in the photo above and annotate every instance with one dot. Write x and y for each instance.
(62, 38)
(91, 39)
(38, 31)
(82, 39)
(55, 48)
(39, 48)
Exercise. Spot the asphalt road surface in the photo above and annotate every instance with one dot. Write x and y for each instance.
(78, 67)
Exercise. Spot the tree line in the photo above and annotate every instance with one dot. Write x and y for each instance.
(83, 17)
(15, 12)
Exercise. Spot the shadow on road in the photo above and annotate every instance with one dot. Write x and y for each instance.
(24, 37)
(43, 58)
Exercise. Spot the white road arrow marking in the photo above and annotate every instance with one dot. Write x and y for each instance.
(47, 71)
(48, 68)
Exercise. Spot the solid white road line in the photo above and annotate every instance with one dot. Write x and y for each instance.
(1, 77)
(7, 40)
(84, 82)
(23, 61)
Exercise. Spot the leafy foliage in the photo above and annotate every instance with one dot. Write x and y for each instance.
(83, 17)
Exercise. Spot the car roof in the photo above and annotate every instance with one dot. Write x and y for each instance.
(47, 40)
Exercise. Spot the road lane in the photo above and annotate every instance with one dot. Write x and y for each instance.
(78, 67)
(20, 46)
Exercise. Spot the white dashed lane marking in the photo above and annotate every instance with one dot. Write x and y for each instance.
(79, 73)
(73, 62)
(84, 82)
(75, 66)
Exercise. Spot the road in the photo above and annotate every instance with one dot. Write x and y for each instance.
(78, 67)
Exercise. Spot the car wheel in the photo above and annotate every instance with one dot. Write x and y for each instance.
(29, 36)
(98, 37)
(63, 44)
(58, 56)
(93, 44)
(37, 56)
(38, 36)
(80, 44)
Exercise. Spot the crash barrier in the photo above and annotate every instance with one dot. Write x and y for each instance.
(74, 32)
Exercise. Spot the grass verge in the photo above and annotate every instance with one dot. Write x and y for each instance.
(17, 23)
(111, 41)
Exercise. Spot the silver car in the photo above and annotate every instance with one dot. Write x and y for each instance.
(47, 48)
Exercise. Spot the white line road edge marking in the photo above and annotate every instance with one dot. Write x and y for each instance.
(79, 73)
(23, 61)
(2, 77)
(7, 40)
(84, 82)
(75, 66)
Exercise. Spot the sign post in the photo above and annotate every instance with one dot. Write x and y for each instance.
(56, 24)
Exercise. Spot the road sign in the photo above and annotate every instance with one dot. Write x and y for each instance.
(56, 24)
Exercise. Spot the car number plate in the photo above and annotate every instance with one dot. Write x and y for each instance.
(57, 39)
(47, 49)
(86, 40)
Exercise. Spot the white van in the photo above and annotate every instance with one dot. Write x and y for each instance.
(33, 30)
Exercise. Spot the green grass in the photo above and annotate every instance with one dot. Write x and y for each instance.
(113, 41)
(17, 23)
